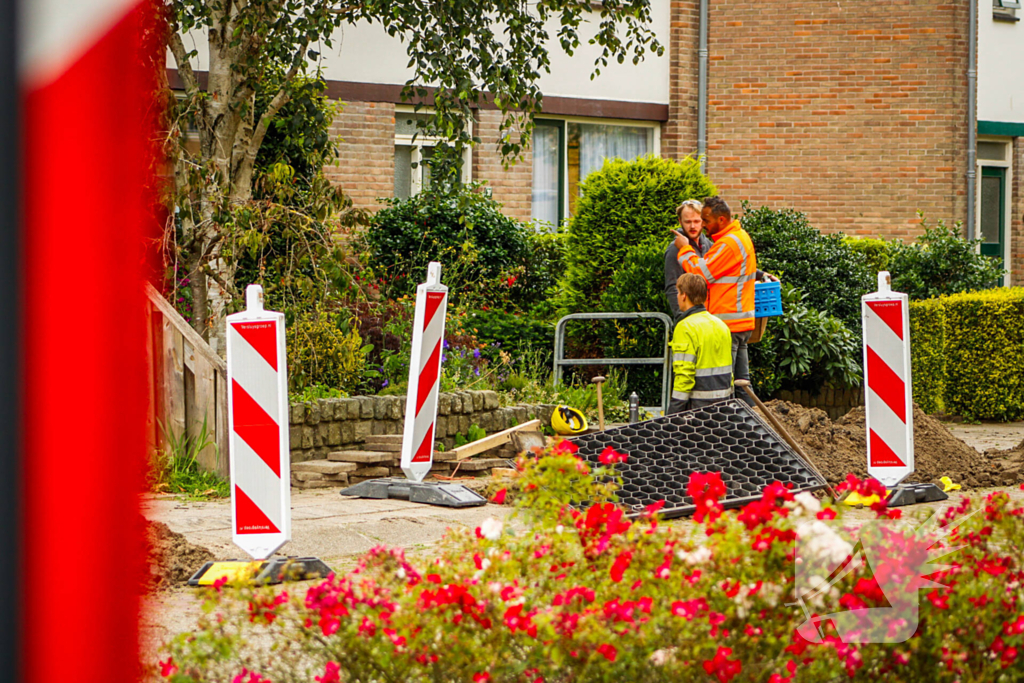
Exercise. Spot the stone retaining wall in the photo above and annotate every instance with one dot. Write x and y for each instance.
(331, 424)
(835, 402)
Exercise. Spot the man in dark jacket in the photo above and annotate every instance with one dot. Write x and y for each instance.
(688, 214)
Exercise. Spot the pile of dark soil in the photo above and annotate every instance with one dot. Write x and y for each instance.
(172, 559)
(840, 447)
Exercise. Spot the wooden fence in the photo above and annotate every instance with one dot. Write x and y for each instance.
(187, 383)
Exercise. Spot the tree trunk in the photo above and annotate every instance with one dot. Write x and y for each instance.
(200, 299)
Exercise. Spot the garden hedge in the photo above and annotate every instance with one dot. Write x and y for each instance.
(927, 353)
(984, 350)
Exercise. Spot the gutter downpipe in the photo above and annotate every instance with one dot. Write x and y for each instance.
(972, 116)
(702, 88)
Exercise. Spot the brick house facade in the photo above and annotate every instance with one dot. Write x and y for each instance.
(854, 113)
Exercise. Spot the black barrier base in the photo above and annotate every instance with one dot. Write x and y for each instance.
(272, 571)
(429, 492)
(912, 494)
(727, 437)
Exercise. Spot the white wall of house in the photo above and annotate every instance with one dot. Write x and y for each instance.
(1000, 72)
(365, 53)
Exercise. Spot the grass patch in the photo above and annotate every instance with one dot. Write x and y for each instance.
(177, 468)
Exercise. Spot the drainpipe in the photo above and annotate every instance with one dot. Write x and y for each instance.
(702, 88)
(972, 115)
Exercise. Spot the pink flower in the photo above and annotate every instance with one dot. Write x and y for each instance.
(705, 490)
(499, 497)
(481, 677)
(608, 651)
(721, 667)
(609, 456)
(332, 673)
(168, 668)
(620, 565)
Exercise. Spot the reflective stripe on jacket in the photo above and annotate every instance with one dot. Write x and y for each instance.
(701, 358)
(729, 267)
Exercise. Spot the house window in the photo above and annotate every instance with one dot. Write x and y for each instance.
(414, 147)
(575, 148)
(548, 159)
(1005, 10)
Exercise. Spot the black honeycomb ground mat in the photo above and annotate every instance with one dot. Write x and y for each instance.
(727, 437)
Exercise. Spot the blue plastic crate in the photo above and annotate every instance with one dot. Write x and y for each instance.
(767, 299)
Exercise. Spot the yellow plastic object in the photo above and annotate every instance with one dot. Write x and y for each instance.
(855, 499)
(568, 421)
(948, 485)
(233, 570)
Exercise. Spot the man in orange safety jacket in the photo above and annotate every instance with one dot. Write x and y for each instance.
(730, 268)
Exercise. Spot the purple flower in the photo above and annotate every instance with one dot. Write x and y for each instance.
(384, 384)
(445, 343)
(476, 371)
(476, 353)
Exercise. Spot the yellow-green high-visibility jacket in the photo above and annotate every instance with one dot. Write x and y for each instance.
(701, 358)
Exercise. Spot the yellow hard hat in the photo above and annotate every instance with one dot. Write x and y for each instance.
(567, 421)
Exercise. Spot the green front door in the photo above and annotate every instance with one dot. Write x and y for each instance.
(993, 218)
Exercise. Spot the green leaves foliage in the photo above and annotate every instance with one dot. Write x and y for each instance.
(831, 274)
(480, 248)
(324, 350)
(971, 353)
(941, 262)
(624, 204)
(804, 348)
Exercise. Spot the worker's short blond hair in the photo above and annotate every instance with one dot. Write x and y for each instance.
(694, 287)
(692, 204)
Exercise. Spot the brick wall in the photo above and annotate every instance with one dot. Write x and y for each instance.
(852, 112)
(1016, 218)
(366, 163)
(513, 187)
(679, 133)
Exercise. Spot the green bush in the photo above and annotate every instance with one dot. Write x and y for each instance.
(639, 282)
(483, 252)
(832, 275)
(985, 354)
(927, 353)
(941, 262)
(323, 352)
(512, 333)
(876, 252)
(622, 205)
(545, 262)
(804, 349)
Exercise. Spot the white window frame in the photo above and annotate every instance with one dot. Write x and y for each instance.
(631, 123)
(421, 141)
(1007, 163)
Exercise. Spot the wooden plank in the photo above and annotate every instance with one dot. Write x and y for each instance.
(184, 329)
(204, 402)
(220, 403)
(174, 380)
(493, 441)
(151, 384)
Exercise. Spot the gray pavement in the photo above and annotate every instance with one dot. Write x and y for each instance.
(325, 524)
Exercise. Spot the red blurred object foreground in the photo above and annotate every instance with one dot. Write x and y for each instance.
(84, 161)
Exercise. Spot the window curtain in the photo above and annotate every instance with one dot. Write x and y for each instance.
(600, 142)
(545, 174)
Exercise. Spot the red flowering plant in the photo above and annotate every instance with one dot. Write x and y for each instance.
(573, 589)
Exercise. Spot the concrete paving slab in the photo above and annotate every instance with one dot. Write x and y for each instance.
(1001, 435)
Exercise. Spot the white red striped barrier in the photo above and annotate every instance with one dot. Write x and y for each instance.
(887, 383)
(424, 375)
(258, 424)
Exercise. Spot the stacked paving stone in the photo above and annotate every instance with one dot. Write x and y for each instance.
(318, 428)
(381, 457)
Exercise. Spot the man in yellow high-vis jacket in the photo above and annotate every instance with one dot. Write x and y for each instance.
(701, 350)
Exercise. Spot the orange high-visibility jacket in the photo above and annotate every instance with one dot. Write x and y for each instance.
(729, 267)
